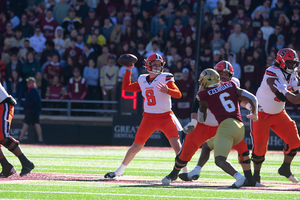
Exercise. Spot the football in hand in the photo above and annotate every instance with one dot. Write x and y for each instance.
(127, 59)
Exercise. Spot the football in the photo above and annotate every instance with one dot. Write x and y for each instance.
(127, 59)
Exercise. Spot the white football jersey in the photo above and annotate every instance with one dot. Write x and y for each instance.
(155, 101)
(210, 118)
(3, 93)
(266, 98)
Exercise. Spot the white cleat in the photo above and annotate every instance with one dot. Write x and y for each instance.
(293, 179)
(166, 181)
(259, 185)
(239, 182)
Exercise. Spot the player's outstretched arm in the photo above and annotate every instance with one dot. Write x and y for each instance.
(126, 84)
(282, 88)
(245, 95)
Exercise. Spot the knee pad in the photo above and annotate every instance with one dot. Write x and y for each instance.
(288, 151)
(179, 163)
(258, 159)
(241, 158)
(9, 141)
(245, 161)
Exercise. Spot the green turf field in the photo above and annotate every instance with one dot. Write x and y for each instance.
(77, 173)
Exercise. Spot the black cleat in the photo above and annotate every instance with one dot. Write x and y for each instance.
(110, 175)
(26, 169)
(6, 172)
(185, 177)
(285, 170)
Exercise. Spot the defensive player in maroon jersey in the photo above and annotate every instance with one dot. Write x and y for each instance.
(222, 99)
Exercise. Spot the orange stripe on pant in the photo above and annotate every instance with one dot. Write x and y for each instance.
(281, 124)
(6, 115)
(152, 122)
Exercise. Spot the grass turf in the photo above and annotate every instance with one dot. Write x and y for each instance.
(141, 179)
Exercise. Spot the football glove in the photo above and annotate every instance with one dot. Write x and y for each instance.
(10, 100)
(282, 88)
(190, 126)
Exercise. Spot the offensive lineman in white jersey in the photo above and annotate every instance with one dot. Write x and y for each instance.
(7, 113)
(273, 115)
(157, 88)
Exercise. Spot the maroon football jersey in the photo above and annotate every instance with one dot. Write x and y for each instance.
(222, 101)
(77, 88)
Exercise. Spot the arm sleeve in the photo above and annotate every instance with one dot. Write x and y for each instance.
(173, 90)
(127, 85)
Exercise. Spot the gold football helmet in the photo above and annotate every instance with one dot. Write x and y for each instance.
(209, 78)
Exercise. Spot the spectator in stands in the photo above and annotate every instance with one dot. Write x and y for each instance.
(31, 66)
(222, 14)
(22, 55)
(217, 41)
(68, 70)
(107, 28)
(248, 8)
(37, 41)
(39, 15)
(60, 11)
(178, 28)
(240, 16)
(48, 25)
(129, 35)
(177, 71)
(71, 22)
(280, 44)
(295, 17)
(14, 65)
(250, 72)
(269, 62)
(50, 50)
(155, 49)
(9, 33)
(56, 91)
(267, 29)
(82, 9)
(188, 56)
(108, 81)
(59, 40)
(73, 50)
(103, 58)
(94, 44)
(91, 74)
(293, 36)
(116, 34)
(223, 54)
(186, 83)
(273, 37)
(264, 9)
(73, 34)
(235, 65)
(54, 69)
(32, 110)
(27, 29)
(227, 47)
(77, 89)
(87, 54)
(89, 21)
(216, 57)
(257, 21)
(155, 20)
(15, 87)
(247, 28)
(19, 39)
(238, 39)
(206, 59)
(280, 8)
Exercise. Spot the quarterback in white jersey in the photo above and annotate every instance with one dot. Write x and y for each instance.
(157, 89)
(272, 114)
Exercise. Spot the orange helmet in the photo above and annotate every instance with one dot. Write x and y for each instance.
(224, 66)
(284, 55)
(154, 57)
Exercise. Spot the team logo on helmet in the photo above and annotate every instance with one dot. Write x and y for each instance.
(151, 58)
(284, 55)
(209, 78)
(224, 66)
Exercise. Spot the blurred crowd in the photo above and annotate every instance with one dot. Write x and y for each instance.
(71, 46)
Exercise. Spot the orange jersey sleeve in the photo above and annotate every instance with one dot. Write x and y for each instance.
(128, 86)
(173, 90)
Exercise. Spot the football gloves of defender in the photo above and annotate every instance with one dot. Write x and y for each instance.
(190, 126)
(10, 100)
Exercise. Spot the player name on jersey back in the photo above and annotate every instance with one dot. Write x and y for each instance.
(220, 88)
